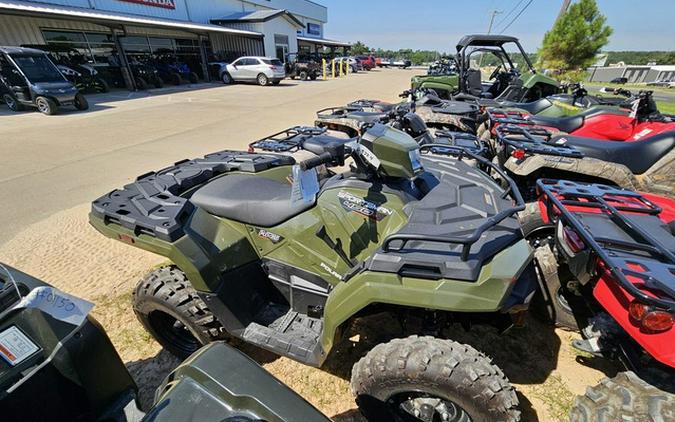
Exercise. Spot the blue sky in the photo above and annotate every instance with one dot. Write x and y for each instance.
(438, 24)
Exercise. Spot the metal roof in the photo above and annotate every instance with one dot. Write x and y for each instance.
(323, 41)
(258, 16)
(484, 40)
(104, 17)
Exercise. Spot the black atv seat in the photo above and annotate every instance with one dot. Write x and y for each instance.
(366, 116)
(249, 199)
(571, 123)
(638, 156)
(533, 107)
(382, 106)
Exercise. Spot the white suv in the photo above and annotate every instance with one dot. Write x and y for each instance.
(263, 70)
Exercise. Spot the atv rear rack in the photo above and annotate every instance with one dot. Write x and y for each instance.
(507, 117)
(534, 140)
(465, 241)
(154, 204)
(336, 112)
(658, 266)
(289, 140)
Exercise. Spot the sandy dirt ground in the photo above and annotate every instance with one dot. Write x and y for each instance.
(61, 248)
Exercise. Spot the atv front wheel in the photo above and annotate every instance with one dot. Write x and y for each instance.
(624, 397)
(81, 102)
(47, 106)
(303, 75)
(262, 80)
(429, 379)
(101, 85)
(193, 78)
(170, 309)
(141, 84)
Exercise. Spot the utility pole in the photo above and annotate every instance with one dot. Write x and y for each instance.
(492, 20)
(563, 8)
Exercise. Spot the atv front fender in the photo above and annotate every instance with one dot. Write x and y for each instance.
(487, 294)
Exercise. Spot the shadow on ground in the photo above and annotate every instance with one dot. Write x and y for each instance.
(149, 374)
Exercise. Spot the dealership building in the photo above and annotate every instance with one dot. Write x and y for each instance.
(115, 34)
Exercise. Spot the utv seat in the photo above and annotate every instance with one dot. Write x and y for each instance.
(366, 116)
(638, 156)
(474, 85)
(249, 199)
(533, 107)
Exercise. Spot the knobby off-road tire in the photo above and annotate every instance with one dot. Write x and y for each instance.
(170, 309)
(303, 75)
(623, 398)
(81, 102)
(390, 373)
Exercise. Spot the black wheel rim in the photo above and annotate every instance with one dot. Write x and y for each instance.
(416, 406)
(172, 331)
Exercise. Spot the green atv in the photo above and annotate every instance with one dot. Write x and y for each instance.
(57, 364)
(506, 83)
(263, 251)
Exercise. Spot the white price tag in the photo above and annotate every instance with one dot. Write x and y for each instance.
(59, 305)
(15, 346)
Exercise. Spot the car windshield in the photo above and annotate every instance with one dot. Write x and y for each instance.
(274, 62)
(38, 68)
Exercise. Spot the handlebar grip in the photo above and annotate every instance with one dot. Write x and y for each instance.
(310, 163)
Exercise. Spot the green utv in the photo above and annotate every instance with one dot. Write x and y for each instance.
(264, 251)
(57, 364)
(506, 83)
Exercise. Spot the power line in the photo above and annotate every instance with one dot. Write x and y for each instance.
(513, 9)
(517, 16)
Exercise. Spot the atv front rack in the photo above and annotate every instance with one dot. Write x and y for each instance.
(289, 140)
(534, 140)
(154, 204)
(461, 139)
(465, 241)
(643, 251)
(507, 117)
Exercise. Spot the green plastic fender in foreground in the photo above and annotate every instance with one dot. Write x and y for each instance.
(486, 294)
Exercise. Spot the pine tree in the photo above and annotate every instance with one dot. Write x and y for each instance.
(576, 38)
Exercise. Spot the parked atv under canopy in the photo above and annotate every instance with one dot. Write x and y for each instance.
(425, 237)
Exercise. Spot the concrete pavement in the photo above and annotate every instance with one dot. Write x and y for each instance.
(52, 163)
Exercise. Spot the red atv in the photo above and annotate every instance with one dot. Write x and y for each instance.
(608, 269)
(642, 121)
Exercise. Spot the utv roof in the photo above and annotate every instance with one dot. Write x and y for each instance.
(484, 40)
(20, 50)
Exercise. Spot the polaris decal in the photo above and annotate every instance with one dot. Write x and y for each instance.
(361, 206)
(331, 271)
(275, 238)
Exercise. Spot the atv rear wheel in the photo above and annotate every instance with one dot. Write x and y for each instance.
(46, 106)
(170, 309)
(624, 397)
(303, 75)
(429, 379)
(313, 76)
(101, 85)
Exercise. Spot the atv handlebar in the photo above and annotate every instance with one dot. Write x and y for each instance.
(313, 162)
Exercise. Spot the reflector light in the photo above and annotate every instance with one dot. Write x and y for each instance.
(657, 321)
(637, 310)
(518, 154)
(573, 240)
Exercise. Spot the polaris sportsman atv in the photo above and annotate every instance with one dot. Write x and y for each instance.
(456, 116)
(287, 265)
(506, 83)
(57, 364)
(641, 122)
(29, 79)
(610, 273)
(529, 153)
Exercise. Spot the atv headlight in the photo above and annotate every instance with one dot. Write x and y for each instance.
(415, 160)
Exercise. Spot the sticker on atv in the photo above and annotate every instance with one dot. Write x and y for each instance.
(369, 157)
(361, 206)
(273, 237)
(15, 346)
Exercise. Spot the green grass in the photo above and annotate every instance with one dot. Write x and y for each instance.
(666, 107)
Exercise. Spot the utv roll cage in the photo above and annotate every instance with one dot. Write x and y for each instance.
(642, 249)
(479, 40)
(465, 241)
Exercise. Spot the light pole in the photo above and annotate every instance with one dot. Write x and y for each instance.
(492, 21)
